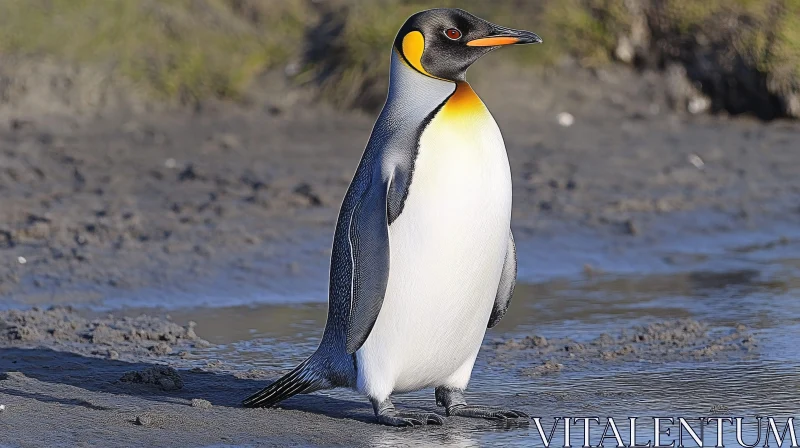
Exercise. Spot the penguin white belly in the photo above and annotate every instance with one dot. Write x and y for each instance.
(447, 250)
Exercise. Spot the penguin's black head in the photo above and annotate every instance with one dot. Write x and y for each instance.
(443, 43)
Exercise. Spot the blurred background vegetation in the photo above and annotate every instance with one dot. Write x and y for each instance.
(744, 55)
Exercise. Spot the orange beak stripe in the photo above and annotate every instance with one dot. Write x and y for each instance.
(492, 41)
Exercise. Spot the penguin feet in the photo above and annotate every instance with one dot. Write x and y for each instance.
(410, 418)
(454, 403)
(486, 412)
(387, 415)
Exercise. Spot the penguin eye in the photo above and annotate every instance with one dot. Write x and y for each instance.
(453, 33)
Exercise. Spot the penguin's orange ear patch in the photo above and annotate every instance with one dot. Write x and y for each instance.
(413, 46)
(492, 41)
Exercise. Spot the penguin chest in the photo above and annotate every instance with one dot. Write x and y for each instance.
(452, 236)
(447, 250)
(459, 200)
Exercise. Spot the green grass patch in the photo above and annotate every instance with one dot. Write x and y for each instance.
(188, 50)
(177, 49)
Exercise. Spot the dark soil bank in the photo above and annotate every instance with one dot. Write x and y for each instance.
(678, 340)
(124, 338)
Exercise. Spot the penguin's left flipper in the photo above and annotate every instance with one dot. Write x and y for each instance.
(507, 282)
(369, 249)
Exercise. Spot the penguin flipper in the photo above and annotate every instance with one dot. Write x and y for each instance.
(507, 282)
(369, 248)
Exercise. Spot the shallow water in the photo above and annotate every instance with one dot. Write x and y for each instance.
(755, 283)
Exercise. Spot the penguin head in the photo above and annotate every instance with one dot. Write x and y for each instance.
(443, 43)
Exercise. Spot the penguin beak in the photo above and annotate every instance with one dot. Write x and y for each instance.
(500, 35)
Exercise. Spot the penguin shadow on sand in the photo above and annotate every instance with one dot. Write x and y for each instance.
(104, 376)
(96, 385)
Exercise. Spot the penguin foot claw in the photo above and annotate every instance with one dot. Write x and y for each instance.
(410, 419)
(486, 412)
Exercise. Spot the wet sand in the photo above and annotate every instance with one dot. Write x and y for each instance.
(653, 248)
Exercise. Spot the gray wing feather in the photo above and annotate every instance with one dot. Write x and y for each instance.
(507, 282)
(369, 249)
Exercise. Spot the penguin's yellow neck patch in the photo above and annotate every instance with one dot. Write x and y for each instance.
(464, 101)
(413, 46)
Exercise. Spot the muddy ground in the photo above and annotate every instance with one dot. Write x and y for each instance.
(93, 207)
(97, 208)
(70, 381)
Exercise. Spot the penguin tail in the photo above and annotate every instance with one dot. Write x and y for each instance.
(303, 379)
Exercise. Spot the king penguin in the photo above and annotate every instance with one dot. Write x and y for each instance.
(423, 257)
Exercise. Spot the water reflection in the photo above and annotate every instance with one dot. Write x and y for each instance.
(421, 438)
